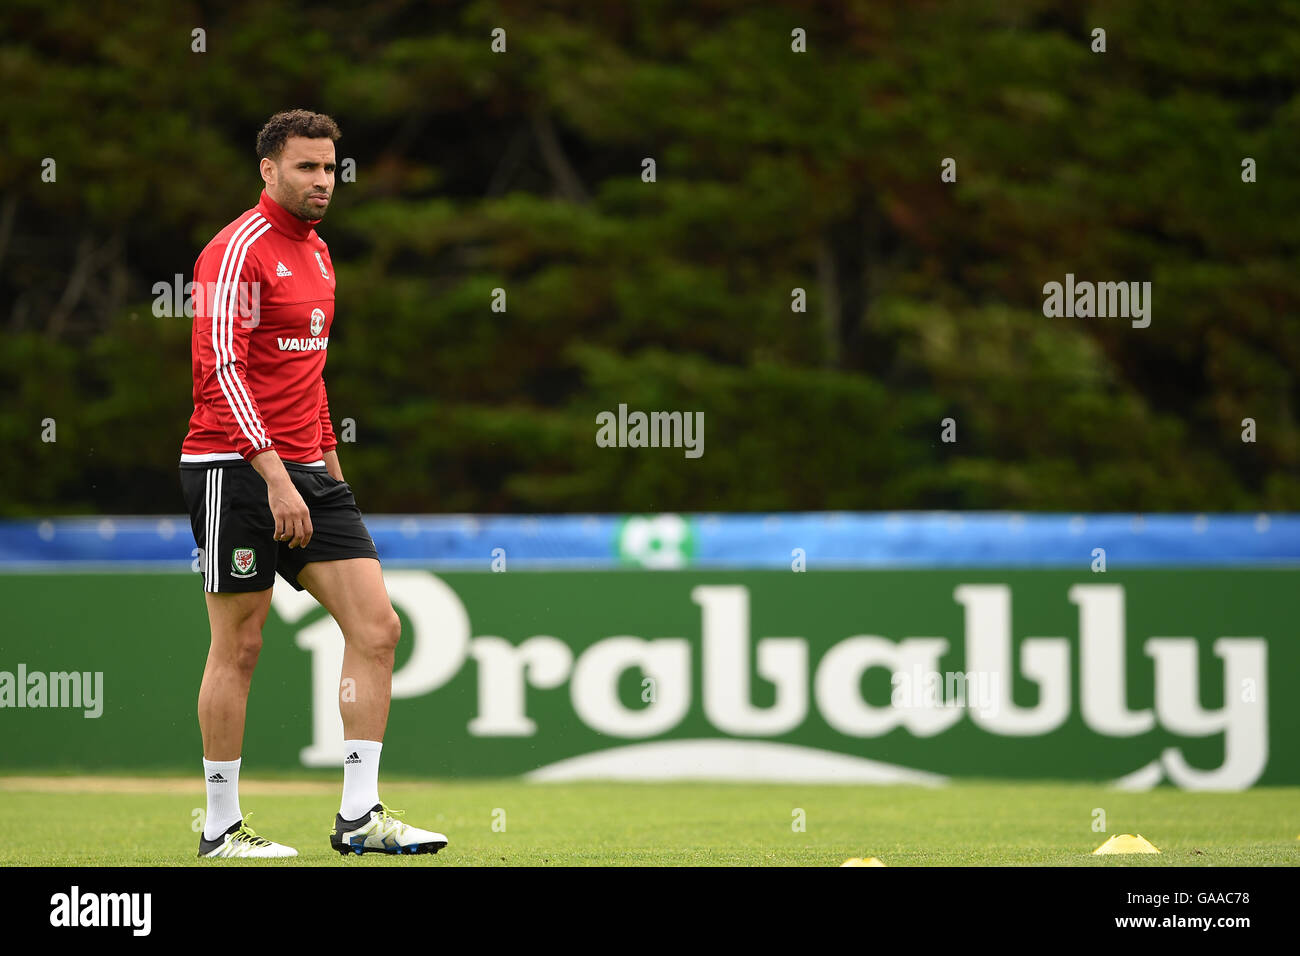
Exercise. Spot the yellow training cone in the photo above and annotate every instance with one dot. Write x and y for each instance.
(858, 861)
(1125, 843)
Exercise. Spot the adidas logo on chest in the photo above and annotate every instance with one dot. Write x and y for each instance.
(284, 272)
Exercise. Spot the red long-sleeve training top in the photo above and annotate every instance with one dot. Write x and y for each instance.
(263, 304)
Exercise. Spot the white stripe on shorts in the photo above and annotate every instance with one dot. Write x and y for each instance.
(207, 530)
(216, 534)
(213, 582)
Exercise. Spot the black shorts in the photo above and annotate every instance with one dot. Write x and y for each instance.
(228, 506)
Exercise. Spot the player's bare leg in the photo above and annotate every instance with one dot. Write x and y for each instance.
(353, 591)
(235, 620)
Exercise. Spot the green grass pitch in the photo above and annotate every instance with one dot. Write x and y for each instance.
(90, 821)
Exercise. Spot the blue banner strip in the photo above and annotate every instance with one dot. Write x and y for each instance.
(817, 539)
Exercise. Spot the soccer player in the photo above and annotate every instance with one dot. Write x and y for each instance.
(261, 476)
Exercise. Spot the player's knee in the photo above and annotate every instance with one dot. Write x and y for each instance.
(390, 632)
(377, 638)
(247, 645)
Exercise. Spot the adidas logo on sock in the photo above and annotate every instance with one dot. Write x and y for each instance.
(216, 778)
(353, 758)
(282, 270)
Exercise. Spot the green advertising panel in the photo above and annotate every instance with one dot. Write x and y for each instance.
(1142, 677)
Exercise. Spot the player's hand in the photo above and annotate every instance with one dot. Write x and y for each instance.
(292, 517)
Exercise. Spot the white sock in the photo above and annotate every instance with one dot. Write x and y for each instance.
(222, 777)
(360, 777)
